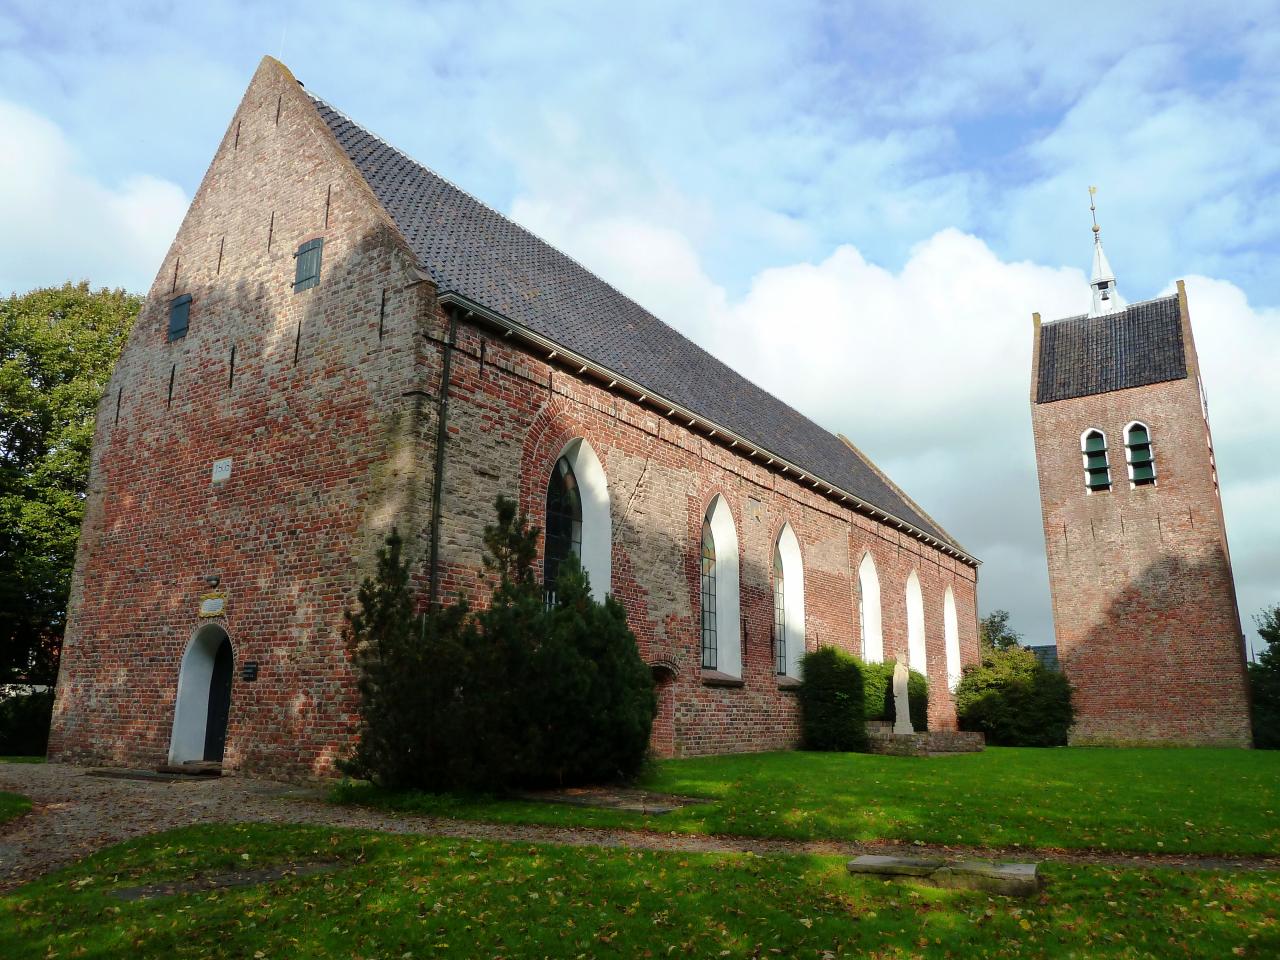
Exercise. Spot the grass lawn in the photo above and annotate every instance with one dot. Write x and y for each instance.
(21, 759)
(12, 805)
(397, 896)
(1173, 801)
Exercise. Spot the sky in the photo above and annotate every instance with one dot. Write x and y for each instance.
(858, 205)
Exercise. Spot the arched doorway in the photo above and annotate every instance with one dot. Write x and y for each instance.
(204, 698)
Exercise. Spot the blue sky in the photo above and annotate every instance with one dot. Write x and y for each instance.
(913, 176)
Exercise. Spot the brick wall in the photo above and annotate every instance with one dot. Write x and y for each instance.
(330, 421)
(1143, 598)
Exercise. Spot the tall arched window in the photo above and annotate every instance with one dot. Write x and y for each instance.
(869, 611)
(564, 521)
(917, 655)
(1097, 470)
(788, 604)
(1142, 462)
(710, 646)
(721, 632)
(951, 634)
(578, 517)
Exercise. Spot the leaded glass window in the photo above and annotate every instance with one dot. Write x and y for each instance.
(779, 615)
(1142, 462)
(1097, 469)
(709, 650)
(564, 521)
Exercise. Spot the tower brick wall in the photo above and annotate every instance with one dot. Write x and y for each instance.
(1143, 598)
(328, 410)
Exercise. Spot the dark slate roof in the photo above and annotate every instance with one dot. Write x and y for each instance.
(1048, 656)
(1133, 347)
(471, 249)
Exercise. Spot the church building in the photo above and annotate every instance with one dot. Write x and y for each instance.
(1144, 603)
(339, 343)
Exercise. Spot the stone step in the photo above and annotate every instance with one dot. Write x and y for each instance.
(991, 876)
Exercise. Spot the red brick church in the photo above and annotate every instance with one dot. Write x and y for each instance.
(340, 342)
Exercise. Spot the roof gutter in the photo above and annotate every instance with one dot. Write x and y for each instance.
(733, 440)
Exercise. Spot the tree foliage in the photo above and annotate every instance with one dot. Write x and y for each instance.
(1264, 682)
(514, 693)
(994, 632)
(57, 348)
(1013, 699)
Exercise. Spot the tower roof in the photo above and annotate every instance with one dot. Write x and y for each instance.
(1133, 346)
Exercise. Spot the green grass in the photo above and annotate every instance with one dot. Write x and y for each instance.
(12, 805)
(21, 759)
(408, 897)
(1171, 801)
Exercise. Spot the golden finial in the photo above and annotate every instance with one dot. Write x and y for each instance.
(1093, 211)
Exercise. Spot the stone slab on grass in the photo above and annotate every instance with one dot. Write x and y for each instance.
(219, 881)
(614, 798)
(992, 876)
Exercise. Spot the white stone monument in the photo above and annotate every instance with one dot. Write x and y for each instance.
(901, 705)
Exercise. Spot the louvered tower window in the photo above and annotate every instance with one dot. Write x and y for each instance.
(709, 648)
(779, 615)
(179, 317)
(1142, 462)
(1097, 471)
(564, 523)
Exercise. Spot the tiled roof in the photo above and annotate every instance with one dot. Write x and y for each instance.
(1133, 347)
(471, 249)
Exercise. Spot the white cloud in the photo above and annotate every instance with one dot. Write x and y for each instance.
(62, 224)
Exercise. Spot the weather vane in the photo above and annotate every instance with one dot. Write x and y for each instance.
(1093, 211)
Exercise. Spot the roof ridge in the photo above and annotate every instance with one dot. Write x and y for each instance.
(1113, 313)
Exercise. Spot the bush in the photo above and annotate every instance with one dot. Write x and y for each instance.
(514, 694)
(24, 723)
(1014, 700)
(1264, 682)
(878, 684)
(832, 705)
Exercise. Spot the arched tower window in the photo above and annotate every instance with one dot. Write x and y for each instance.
(917, 655)
(951, 634)
(721, 644)
(1138, 452)
(564, 521)
(1097, 469)
(869, 611)
(788, 604)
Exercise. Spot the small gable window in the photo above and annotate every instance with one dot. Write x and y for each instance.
(1142, 462)
(1097, 471)
(179, 317)
(307, 263)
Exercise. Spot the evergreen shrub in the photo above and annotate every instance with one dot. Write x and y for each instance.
(1264, 682)
(832, 705)
(24, 723)
(1014, 700)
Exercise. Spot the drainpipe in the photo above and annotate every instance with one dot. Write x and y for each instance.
(442, 428)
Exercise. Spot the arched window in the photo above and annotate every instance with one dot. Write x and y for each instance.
(564, 521)
(721, 643)
(1142, 462)
(917, 655)
(951, 634)
(788, 604)
(578, 518)
(1097, 470)
(869, 611)
(710, 647)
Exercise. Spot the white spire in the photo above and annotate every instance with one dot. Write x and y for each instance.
(1103, 281)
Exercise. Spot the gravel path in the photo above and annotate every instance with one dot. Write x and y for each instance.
(75, 813)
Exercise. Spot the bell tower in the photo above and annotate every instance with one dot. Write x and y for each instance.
(1144, 602)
